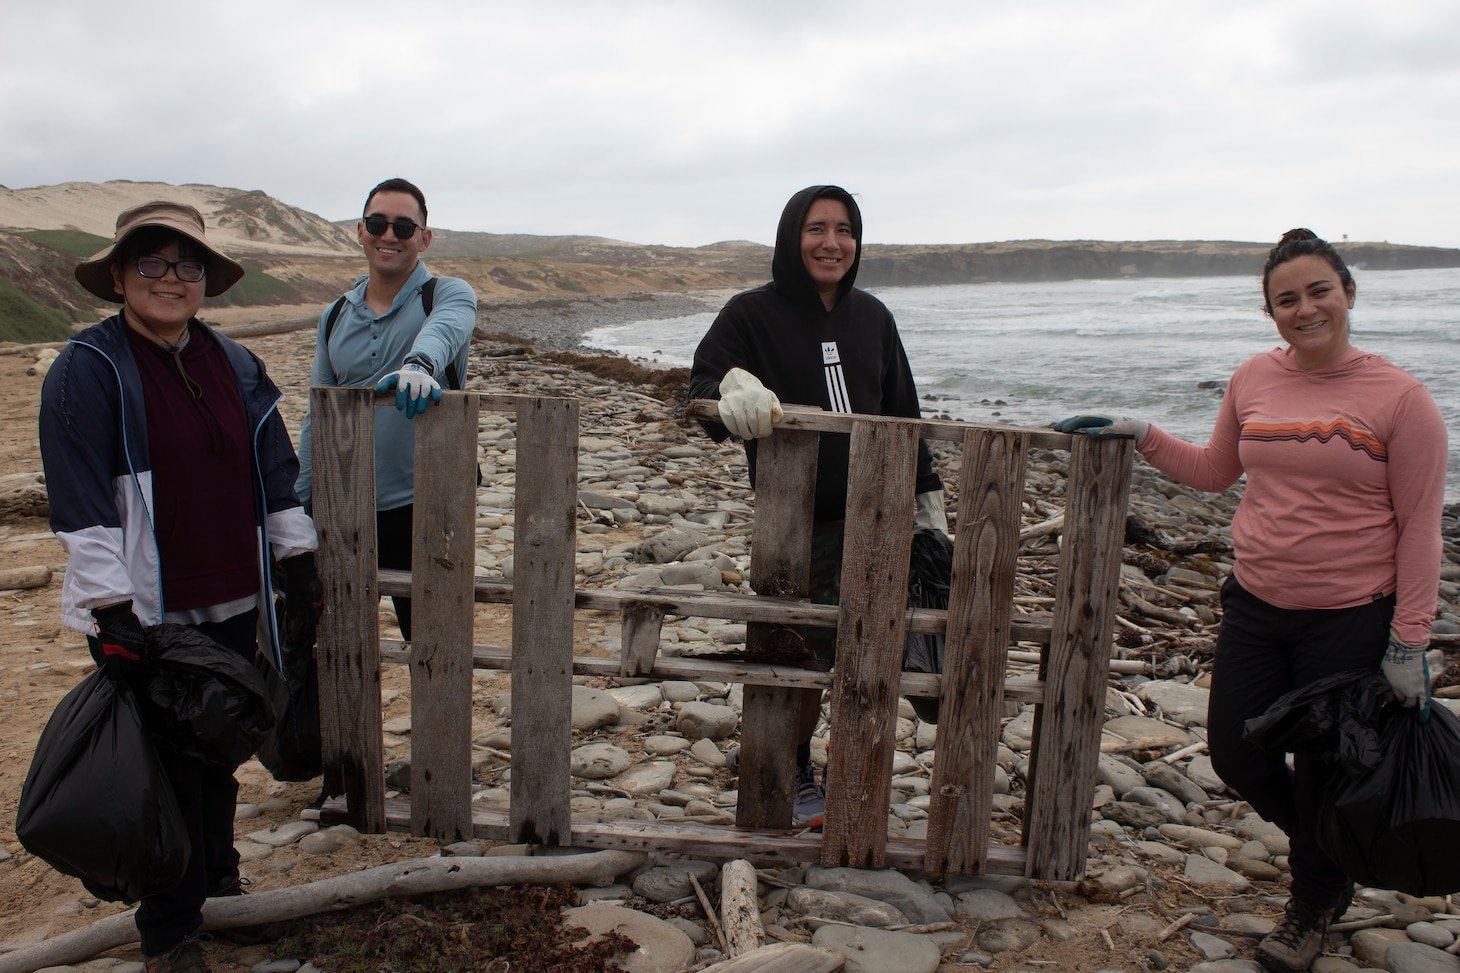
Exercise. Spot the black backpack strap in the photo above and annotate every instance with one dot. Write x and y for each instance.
(428, 301)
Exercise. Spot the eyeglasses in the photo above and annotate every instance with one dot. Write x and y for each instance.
(404, 228)
(188, 271)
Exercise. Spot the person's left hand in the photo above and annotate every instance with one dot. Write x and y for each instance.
(415, 389)
(1408, 671)
(931, 512)
(303, 600)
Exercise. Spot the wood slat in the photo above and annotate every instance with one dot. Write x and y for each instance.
(810, 419)
(443, 566)
(348, 653)
(779, 567)
(980, 601)
(639, 631)
(731, 607)
(542, 617)
(869, 643)
(1067, 727)
(714, 841)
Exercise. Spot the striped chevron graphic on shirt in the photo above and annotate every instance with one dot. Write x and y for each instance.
(836, 379)
(1316, 430)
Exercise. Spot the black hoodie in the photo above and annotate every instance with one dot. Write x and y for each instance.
(847, 359)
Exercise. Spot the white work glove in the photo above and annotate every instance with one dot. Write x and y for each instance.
(415, 389)
(1408, 671)
(747, 408)
(930, 511)
(1097, 425)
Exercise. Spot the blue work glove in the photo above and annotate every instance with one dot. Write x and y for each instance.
(1408, 672)
(415, 389)
(1095, 424)
(123, 643)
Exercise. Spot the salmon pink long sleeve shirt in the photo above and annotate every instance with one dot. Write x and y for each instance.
(1345, 469)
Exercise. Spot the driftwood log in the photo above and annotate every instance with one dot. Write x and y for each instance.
(740, 908)
(418, 876)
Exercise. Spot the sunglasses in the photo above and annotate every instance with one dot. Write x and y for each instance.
(404, 228)
(187, 271)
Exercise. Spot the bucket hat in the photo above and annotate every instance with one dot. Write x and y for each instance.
(95, 274)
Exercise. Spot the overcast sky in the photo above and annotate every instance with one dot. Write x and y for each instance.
(686, 123)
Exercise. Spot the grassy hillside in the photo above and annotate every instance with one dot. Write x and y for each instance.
(74, 243)
(23, 320)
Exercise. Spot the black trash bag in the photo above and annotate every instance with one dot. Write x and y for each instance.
(201, 700)
(1397, 826)
(1335, 718)
(1390, 784)
(930, 571)
(291, 751)
(97, 803)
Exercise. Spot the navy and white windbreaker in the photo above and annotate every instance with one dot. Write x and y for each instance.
(94, 446)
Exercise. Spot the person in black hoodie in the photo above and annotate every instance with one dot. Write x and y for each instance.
(810, 337)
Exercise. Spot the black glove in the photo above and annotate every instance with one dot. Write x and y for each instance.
(120, 634)
(303, 600)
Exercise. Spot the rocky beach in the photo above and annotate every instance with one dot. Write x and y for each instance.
(1181, 876)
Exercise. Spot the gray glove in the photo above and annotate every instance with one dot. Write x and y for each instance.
(1098, 425)
(1408, 671)
(931, 512)
(747, 408)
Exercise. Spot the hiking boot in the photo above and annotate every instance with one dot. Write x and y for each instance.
(185, 957)
(1296, 940)
(809, 811)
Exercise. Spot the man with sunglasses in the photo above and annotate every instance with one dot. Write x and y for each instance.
(399, 328)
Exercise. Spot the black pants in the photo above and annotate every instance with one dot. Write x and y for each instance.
(393, 543)
(207, 795)
(1264, 652)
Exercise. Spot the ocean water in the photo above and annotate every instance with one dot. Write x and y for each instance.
(1157, 348)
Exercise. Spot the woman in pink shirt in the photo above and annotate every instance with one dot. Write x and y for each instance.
(1337, 539)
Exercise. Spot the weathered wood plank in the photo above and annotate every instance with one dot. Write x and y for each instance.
(542, 618)
(639, 630)
(712, 841)
(809, 419)
(732, 607)
(780, 567)
(980, 603)
(348, 651)
(443, 568)
(1067, 725)
(869, 644)
(1024, 689)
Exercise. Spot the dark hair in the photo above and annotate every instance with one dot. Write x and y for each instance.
(1302, 242)
(398, 185)
(150, 239)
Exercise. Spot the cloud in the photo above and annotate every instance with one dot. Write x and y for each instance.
(689, 123)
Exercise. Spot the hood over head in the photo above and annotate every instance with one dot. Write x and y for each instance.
(788, 274)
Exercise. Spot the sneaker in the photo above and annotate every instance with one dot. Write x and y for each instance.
(1296, 940)
(809, 811)
(185, 957)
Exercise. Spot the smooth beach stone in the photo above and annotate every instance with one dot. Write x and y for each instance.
(662, 745)
(593, 708)
(1183, 702)
(1192, 837)
(711, 721)
(1207, 875)
(846, 906)
(1160, 774)
(1141, 733)
(647, 778)
(1419, 958)
(646, 696)
(1199, 771)
(1118, 774)
(661, 947)
(284, 834)
(1018, 733)
(879, 951)
(670, 881)
(1209, 947)
(1007, 935)
(915, 901)
(984, 905)
(1429, 934)
(598, 761)
(705, 750)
